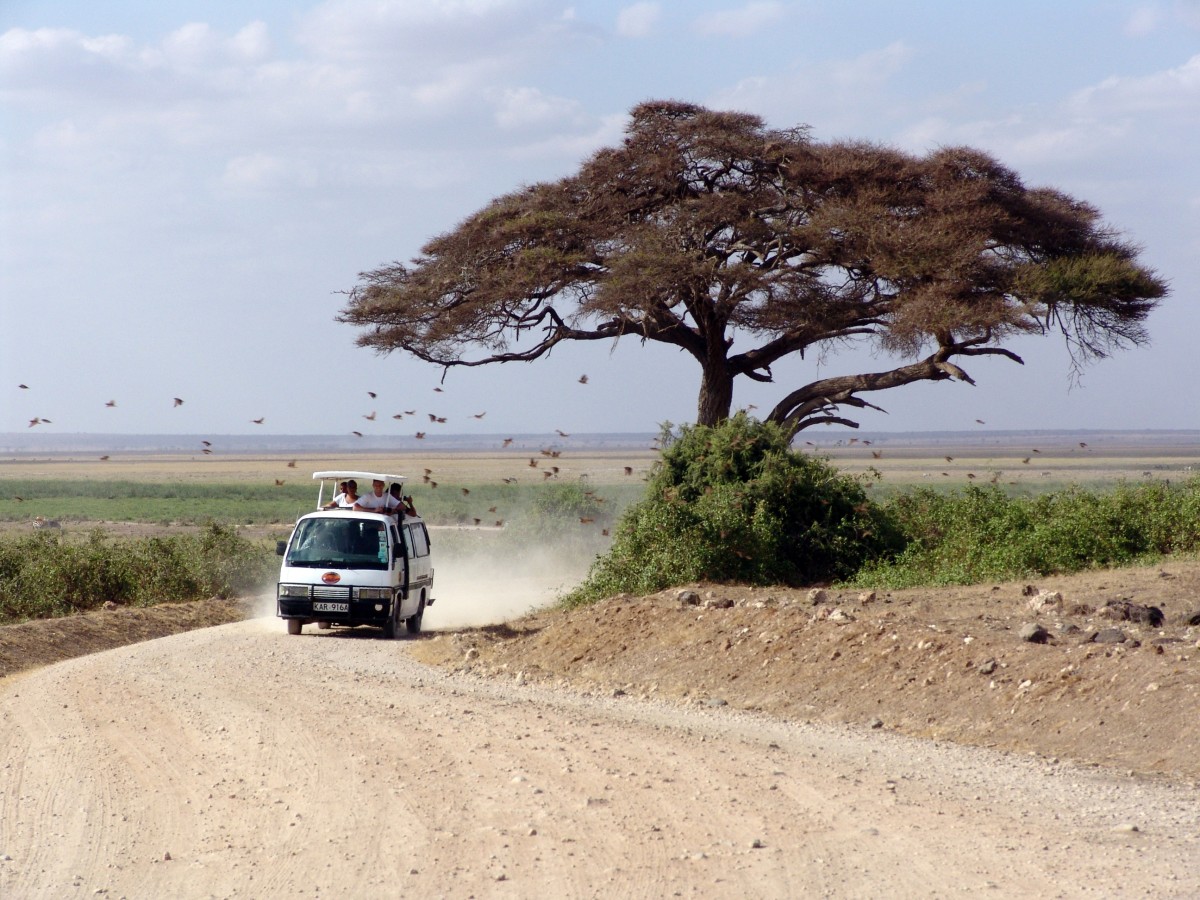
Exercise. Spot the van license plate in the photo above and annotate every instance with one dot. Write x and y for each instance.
(331, 607)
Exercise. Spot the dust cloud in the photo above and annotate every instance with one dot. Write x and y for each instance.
(486, 585)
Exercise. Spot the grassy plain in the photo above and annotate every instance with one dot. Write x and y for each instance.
(274, 488)
(264, 489)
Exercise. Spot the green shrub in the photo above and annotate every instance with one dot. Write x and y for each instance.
(980, 534)
(46, 574)
(734, 503)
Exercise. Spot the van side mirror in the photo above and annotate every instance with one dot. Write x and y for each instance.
(280, 548)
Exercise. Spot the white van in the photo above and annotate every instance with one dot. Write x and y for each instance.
(346, 567)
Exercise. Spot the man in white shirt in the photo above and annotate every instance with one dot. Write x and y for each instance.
(377, 500)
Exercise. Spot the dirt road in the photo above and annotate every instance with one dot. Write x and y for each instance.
(240, 762)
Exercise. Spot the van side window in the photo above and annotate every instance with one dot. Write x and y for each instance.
(417, 540)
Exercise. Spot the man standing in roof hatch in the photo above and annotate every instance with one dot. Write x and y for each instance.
(377, 501)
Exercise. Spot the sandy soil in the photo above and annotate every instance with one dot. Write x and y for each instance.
(240, 762)
(747, 745)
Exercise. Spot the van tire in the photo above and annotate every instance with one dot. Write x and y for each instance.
(295, 626)
(391, 628)
(413, 623)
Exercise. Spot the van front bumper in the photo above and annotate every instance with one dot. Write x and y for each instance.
(343, 606)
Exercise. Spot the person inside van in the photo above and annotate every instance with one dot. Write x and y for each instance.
(346, 497)
(377, 501)
(406, 503)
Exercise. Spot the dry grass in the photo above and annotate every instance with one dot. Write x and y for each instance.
(600, 467)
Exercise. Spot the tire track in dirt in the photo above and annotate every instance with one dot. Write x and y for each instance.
(266, 764)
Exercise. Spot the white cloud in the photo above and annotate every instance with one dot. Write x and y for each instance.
(260, 170)
(835, 97)
(1149, 18)
(574, 144)
(527, 107)
(1143, 20)
(741, 22)
(1171, 90)
(638, 21)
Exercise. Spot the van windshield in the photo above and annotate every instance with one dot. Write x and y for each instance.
(339, 543)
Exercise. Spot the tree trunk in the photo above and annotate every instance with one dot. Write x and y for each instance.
(716, 394)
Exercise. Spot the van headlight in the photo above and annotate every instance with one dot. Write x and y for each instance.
(293, 590)
(370, 593)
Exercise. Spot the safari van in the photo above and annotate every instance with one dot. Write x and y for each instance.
(343, 567)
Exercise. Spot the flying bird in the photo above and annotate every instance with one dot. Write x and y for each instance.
(429, 471)
(1026, 460)
(278, 483)
(508, 442)
(111, 403)
(356, 433)
(466, 491)
(34, 421)
(510, 481)
(398, 416)
(178, 402)
(206, 452)
(949, 459)
(104, 457)
(432, 417)
(207, 443)
(292, 464)
(876, 454)
(410, 412)
(371, 394)
(439, 390)
(420, 435)
(23, 387)
(533, 463)
(481, 415)
(583, 379)
(629, 470)
(586, 520)
(491, 509)
(259, 421)
(547, 474)
(561, 433)
(433, 484)
(477, 522)
(499, 523)
(1083, 444)
(980, 422)
(370, 417)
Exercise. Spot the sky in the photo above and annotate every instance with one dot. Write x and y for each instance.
(187, 189)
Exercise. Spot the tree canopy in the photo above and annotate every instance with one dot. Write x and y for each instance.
(705, 226)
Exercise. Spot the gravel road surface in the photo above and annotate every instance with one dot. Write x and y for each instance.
(241, 762)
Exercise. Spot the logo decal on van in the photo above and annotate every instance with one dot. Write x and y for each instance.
(331, 578)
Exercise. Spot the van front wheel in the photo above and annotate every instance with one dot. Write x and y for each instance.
(295, 626)
(413, 623)
(391, 628)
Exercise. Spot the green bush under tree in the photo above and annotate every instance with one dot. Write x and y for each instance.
(734, 503)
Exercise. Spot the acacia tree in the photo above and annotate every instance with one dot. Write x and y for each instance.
(703, 225)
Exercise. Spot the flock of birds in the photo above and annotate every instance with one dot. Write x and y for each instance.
(548, 472)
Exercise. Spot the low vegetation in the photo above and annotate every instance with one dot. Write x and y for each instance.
(733, 503)
(982, 534)
(47, 574)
